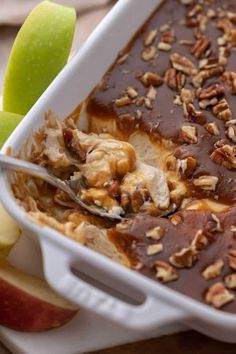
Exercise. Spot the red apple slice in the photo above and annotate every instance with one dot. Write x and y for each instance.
(28, 304)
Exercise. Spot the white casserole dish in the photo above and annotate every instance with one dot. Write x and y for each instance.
(159, 305)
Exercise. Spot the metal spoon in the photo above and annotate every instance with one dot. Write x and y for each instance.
(13, 164)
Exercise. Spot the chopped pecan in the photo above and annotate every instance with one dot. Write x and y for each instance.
(187, 95)
(186, 166)
(208, 102)
(151, 78)
(225, 156)
(188, 134)
(195, 10)
(232, 259)
(202, 23)
(132, 93)
(208, 63)
(149, 53)
(224, 24)
(217, 295)
(150, 37)
(154, 249)
(165, 272)
(168, 37)
(213, 90)
(222, 110)
(152, 93)
(184, 258)
(123, 101)
(183, 64)
(233, 229)
(231, 132)
(197, 116)
(176, 219)
(156, 233)
(229, 78)
(200, 241)
(230, 281)
(200, 47)
(124, 225)
(203, 75)
(177, 101)
(231, 16)
(213, 270)
(211, 13)
(223, 55)
(206, 183)
(166, 47)
(212, 128)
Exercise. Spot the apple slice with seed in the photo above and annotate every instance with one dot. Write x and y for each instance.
(40, 51)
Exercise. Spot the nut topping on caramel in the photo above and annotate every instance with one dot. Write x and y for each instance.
(184, 258)
(200, 78)
(230, 281)
(165, 272)
(150, 37)
(151, 78)
(206, 183)
(217, 295)
(183, 64)
(212, 128)
(175, 80)
(229, 78)
(200, 47)
(149, 53)
(232, 259)
(200, 241)
(123, 101)
(222, 111)
(225, 156)
(188, 134)
(156, 233)
(213, 270)
(154, 249)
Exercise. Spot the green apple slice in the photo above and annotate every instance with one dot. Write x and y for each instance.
(9, 233)
(40, 51)
(8, 122)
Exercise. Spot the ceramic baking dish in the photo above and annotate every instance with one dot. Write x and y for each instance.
(99, 285)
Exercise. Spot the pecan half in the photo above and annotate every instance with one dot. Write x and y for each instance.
(188, 134)
(151, 78)
(168, 37)
(132, 93)
(213, 270)
(229, 78)
(214, 90)
(222, 110)
(231, 132)
(232, 259)
(184, 258)
(200, 47)
(230, 281)
(206, 183)
(223, 55)
(175, 80)
(217, 295)
(225, 156)
(203, 75)
(183, 64)
(156, 233)
(165, 272)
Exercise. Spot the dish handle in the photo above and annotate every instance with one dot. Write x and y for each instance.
(150, 314)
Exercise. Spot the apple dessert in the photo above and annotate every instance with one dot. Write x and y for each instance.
(159, 149)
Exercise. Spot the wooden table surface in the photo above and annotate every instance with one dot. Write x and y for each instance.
(182, 343)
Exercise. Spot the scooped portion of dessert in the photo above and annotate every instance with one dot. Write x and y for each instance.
(102, 170)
